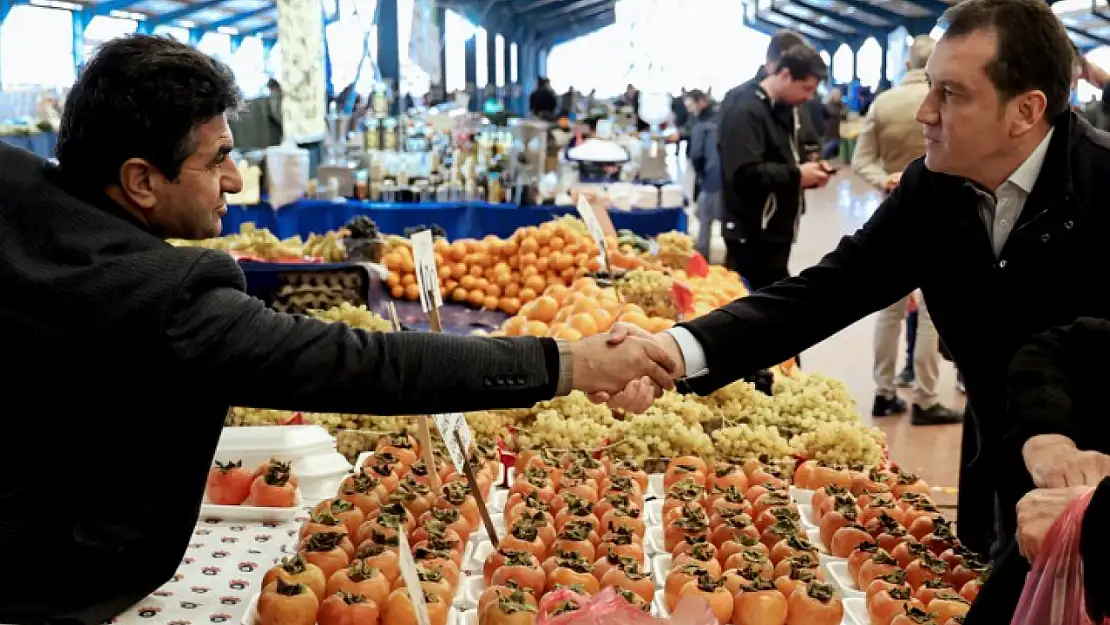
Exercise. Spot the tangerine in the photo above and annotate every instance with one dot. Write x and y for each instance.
(584, 323)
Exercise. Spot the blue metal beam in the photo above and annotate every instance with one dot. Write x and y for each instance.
(261, 30)
(861, 27)
(933, 6)
(237, 18)
(182, 13)
(807, 24)
(1102, 41)
(864, 7)
(105, 8)
(81, 21)
(5, 9)
(579, 17)
(578, 29)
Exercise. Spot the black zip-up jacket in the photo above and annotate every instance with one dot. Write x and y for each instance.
(985, 307)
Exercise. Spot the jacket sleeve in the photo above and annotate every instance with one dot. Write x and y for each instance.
(782, 320)
(1094, 546)
(865, 160)
(743, 143)
(252, 356)
(698, 147)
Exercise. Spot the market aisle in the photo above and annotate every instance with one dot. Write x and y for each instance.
(840, 208)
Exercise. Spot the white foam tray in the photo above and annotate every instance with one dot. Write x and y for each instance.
(855, 612)
(837, 573)
(256, 514)
(805, 511)
(653, 512)
(801, 496)
(250, 617)
(288, 443)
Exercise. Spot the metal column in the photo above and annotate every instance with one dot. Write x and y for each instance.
(389, 53)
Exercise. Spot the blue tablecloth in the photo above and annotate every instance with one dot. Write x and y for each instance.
(459, 220)
(41, 143)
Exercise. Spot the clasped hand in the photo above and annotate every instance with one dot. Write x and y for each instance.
(1054, 461)
(628, 368)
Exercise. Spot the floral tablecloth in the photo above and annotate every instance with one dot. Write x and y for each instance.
(220, 572)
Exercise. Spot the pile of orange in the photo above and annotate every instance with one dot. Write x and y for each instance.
(580, 310)
(499, 274)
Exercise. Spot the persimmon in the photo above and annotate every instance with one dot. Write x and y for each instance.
(948, 606)
(931, 589)
(432, 528)
(451, 517)
(957, 554)
(229, 484)
(789, 566)
(683, 493)
(432, 580)
(383, 557)
(274, 488)
(941, 539)
(781, 530)
(823, 495)
(694, 463)
(524, 536)
(924, 568)
(770, 516)
(623, 485)
(623, 543)
(923, 525)
(792, 546)
(804, 474)
(399, 610)
(457, 495)
(343, 608)
(572, 573)
(872, 482)
(828, 475)
(576, 537)
(324, 521)
(604, 564)
(701, 554)
(888, 604)
(442, 545)
(815, 603)
(882, 563)
(296, 570)
(884, 512)
(492, 594)
(415, 497)
(325, 551)
(861, 554)
(908, 482)
(835, 519)
(364, 491)
(772, 500)
(632, 470)
(913, 499)
(633, 598)
(751, 564)
(787, 584)
(678, 577)
(965, 572)
(731, 528)
(767, 476)
(908, 551)
(726, 475)
(692, 525)
(970, 590)
(630, 518)
(897, 579)
(914, 616)
(440, 559)
(418, 472)
(283, 603)
(359, 578)
(520, 569)
(741, 543)
(846, 539)
(891, 538)
(728, 499)
(512, 608)
(381, 469)
(713, 592)
(401, 446)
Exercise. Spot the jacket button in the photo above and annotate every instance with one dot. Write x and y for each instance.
(1002, 264)
(1068, 224)
(1045, 237)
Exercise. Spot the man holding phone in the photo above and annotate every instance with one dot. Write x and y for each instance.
(765, 166)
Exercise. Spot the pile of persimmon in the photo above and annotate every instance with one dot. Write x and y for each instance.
(348, 560)
(572, 521)
(499, 274)
(736, 540)
(271, 485)
(900, 550)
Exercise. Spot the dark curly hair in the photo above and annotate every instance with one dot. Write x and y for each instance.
(140, 96)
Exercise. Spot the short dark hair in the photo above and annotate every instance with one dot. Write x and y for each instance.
(140, 96)
(803, 62)
(782, 41)
(1034, 51)
(697, 95)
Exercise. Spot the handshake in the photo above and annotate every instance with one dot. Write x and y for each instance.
(627, 368)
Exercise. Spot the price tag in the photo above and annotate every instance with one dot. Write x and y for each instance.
(448, 425)
(412, 581)
(427, 275)
(586, 211)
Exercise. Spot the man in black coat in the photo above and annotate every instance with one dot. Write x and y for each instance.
(126, 352)
(1011, 188)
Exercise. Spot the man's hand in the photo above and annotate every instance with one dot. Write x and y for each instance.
(813, 175)
(1054, 462)
(892, 181)
(1037, 511)
(638, 395)
(603, 368)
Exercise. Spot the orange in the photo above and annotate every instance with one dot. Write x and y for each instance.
(493, 290)
(582, 283)
(585, 305)
(603, 319)
(535, 328)
(477, 297)
(529, 246)
(526, 259)
(458, 251)
(397, 291)
(636, 319)
(584, 323)
(536, 283)
(563, 315)
(567, 334)
(527, 295)
(558, 291)
(412, 291)
(490, 303)
(556, 243)
(512, 289)
(459, 294)
(510, 305)
(543, 308)
(629, 308)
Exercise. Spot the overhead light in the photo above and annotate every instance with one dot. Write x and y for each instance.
(186, 24)
(127, 15)
(56, 4)
(227, 30)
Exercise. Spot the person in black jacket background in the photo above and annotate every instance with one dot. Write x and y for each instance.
(543, 102)
(1057, 428)
(762, 166)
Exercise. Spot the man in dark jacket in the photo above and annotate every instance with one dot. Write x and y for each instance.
(761, 161)
(707, 169)
(543, 102)
(1011, 188)
(130, 351)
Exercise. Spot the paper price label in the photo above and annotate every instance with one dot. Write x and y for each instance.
(448, 424)
(427, 274)
(412, 580)
(586, 211)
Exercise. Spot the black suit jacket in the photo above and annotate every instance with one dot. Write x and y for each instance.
(124, 355)
(985, 308)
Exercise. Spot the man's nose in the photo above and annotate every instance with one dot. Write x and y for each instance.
(232, 180)
(927, 112)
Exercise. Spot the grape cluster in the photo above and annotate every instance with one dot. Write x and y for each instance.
(751, 441)
(650, 290)
(354, 316)
(552, 430)
(841, 443)
(659, 435)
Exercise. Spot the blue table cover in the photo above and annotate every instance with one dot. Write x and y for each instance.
(459, 220)
(41, 143)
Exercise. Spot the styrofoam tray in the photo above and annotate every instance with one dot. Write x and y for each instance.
(801, 495)
(837, 572)
(251, 513)
(805, 511)
(250, 617)
(255, 445)
(655, 488)
(855, 612)
(321, 465)
(660, 567)
(653, 511)
(814, 537)
(654, 541)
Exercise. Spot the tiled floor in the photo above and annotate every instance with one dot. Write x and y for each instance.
(840, 208)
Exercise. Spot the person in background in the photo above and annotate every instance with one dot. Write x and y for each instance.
(568, 104)
(273, 113)
(1010, 193)
(834, 113)
(1058, 431)
(543, 103)
(631, 99)
(707, 171)
(160, 341)
(762, 171)
(890, 139)
(682, 119)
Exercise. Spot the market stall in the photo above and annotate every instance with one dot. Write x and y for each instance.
(461, 220)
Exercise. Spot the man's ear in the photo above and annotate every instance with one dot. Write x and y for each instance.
(137, 180)
(1031, 107)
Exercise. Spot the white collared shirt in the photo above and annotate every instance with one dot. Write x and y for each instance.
(1000, 213)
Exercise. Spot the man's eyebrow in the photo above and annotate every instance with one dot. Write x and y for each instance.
(222, 151)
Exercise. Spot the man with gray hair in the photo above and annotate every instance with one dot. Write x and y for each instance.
(889, 140)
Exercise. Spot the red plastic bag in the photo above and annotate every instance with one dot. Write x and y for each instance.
(1053, 592)
(609, 608)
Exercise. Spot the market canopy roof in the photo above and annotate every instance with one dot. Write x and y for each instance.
(548, 22)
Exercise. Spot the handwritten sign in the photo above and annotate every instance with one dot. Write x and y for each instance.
(593, 226)
(412, 580)
(427, 276)
(448, 425)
